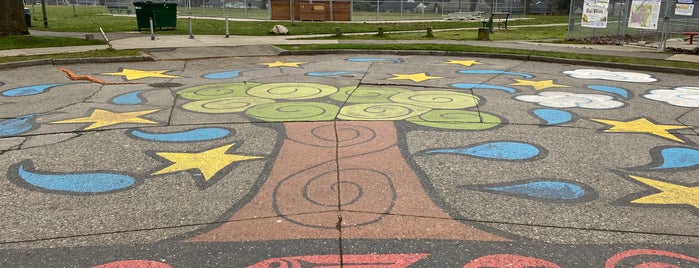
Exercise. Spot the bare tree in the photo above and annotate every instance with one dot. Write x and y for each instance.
(12, 20)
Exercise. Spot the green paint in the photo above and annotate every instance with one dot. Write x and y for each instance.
(227, 105)
(381, 111)
(366, 94)
(437, 99)
(216, 91)
(456, 119)
(293, 111)
(292, 91)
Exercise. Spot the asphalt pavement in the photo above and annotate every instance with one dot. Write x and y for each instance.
(232, 153)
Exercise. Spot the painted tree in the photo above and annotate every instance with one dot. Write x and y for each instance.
(12, 18)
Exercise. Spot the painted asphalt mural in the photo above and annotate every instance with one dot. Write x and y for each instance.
(360, 161)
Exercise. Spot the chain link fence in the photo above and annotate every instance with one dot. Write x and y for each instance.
(647, 21)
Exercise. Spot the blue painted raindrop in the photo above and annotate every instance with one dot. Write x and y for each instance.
(77, 183)
(483, 86)
(502, 150)
(199, 134)
(130, 98)
(323, 74)
(495, 72)
(609, 89)
(553, 116)
(29, 90)
(374, 59)
(678, 157)
(550, 190)
(223, 75)
(17, 125)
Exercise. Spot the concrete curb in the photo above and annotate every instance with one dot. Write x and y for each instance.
(30, 63)
(499, 56)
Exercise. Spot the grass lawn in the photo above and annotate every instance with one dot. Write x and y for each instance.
(102, 53)
(19, 41)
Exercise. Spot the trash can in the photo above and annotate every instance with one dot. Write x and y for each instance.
(483, 34)
(27, 17)
(163, 14)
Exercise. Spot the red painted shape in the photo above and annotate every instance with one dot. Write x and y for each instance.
(656, 265)
(510, 261)
(134, 264)
(614, 260)
(348, 261)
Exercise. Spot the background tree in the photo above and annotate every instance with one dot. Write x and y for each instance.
(12, 18)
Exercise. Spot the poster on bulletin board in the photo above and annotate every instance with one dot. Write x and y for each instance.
(684, 9)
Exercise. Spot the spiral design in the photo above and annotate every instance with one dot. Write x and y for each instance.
(292, 91)
(216, 91)
(227, 105)
(381, 111)
(293, 111)
(317, 190)
(456, 119)
(437, 99)
(366, 94)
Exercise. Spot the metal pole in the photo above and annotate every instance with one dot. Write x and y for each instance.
(152, 32)
(43, 10)
(191, 35)
(225, 14)
(291, 10)
(377, 9)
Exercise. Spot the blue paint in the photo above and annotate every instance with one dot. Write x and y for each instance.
(223, 75)
(374, 59)
(131, 98)
(323, 74)
(609, 89)
(483, 86)
(678, 157)
(30, 90)
(199, 134)
(17, 125)
(550, 190)
(495, 72)
(77, 183)
(502, 150)
(553, 116)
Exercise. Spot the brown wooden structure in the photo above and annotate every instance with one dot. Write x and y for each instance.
(311, 10)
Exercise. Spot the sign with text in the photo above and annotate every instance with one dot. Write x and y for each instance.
(595, 13)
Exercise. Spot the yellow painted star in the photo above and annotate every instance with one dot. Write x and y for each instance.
(537, 85)
(101, 118)
(207, 162)
(131, 74)
(464, 62)
(282, 64)
(670, 194)
(418, 77)
(642, 125)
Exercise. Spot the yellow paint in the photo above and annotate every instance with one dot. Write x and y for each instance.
(642, 125)
(670, 194)
(131, 74)
(207, 162)
(101, 118)
(464, 62)
(282, 64)
(418, 77)
(537, 85)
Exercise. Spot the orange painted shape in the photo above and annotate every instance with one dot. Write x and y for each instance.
(510, 261)
(300, 199)
(348, 261)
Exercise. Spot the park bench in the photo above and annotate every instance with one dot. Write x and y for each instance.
(498, 17)
(691, 36)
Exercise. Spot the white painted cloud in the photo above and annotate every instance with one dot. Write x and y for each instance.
(609, 75)
(679, 96)
(571, 100)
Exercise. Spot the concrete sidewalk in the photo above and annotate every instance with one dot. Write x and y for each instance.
(135, 40)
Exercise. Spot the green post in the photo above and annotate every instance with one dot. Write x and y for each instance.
(489, 25)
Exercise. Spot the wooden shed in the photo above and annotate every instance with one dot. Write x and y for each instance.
(312, 10)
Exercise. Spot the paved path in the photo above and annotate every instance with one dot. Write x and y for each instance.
(352, 159)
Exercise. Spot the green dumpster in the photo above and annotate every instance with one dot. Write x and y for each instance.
(163, 14)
